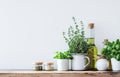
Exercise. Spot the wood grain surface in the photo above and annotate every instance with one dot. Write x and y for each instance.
(13, 73)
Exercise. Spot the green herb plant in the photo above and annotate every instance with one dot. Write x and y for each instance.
(112, 50)
(63, 55)
(75, 38)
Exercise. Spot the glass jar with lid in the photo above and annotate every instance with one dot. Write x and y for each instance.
(49, 66)
(38, 66)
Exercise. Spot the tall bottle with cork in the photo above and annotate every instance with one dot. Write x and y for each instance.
(110, 65)
(92, 52)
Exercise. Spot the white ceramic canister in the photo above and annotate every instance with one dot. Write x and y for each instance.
(102, 64)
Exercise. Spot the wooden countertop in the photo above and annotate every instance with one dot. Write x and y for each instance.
(92, 72)
(32, 73)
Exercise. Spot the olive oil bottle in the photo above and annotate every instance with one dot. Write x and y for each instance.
(92, 52)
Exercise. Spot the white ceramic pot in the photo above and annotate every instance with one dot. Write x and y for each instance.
(70, 64)
(115, 64)
(79, 62)
(62, 64)
(102, 64)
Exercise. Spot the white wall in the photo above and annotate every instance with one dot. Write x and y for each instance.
(31, 30)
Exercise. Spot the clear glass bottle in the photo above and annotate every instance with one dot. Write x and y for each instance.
(110, 65)
(105, 40)
(39, 66)
(92, 52)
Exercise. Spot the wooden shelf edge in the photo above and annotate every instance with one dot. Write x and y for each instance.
(85, 72)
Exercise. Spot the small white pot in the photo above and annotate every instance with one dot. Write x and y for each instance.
(102, 64)
(62, 64)
(115, 64)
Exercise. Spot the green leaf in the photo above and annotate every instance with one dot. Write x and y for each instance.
(63, 55)
(75, 38)
(117, 46)
(112, 50)
(118, 57)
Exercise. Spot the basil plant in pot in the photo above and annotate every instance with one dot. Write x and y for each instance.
(63, 60)
(78, 46)
(112, 51)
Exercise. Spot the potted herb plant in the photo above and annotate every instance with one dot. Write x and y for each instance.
(63, 60)
(78, 47)
(112, 51)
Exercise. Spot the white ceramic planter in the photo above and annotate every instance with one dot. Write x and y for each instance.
(102, 64)
(70, 64)
(115, 64)
(79, 62)
(62, 64)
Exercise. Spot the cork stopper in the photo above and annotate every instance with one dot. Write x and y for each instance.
(105, 40)
(49, 63)
(100, 57)
(91, 25)
(38, 63)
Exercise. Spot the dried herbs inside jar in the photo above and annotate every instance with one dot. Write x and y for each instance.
(49, 66)
(39, 66)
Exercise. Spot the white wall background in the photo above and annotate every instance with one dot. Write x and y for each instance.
(31, 30)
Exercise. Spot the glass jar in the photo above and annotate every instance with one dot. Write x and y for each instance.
(49, 66)
(39, 66)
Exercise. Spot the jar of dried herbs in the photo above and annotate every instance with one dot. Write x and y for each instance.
(49, 66)
(39, 66)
